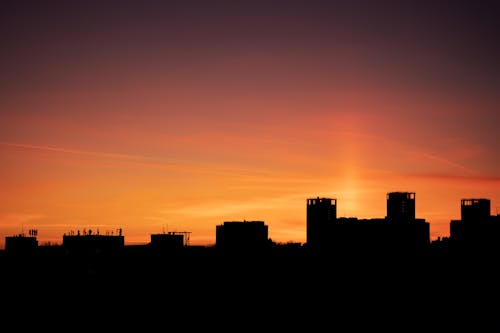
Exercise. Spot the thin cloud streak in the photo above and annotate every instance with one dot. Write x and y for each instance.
(411, 150)
(72, 151)
(139, 160)
(349, 135)
(451, 177)
(443, 160)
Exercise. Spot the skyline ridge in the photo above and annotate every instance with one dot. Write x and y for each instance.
(87, 230)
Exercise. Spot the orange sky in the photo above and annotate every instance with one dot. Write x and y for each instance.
(127, 119)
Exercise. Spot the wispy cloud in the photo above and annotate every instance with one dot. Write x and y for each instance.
(74, 151)
(455, 178)
(442, 160)
(425, 154)
(142, 161)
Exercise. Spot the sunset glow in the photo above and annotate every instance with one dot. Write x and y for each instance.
(132, 116)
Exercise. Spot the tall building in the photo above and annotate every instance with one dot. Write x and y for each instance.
(477, 232)
(321, 212)
(407, 233)
(475, 209)
(399, 233)
(401, 206)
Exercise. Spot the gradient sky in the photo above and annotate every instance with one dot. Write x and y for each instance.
(156, 116)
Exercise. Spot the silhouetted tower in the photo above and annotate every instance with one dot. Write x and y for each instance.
(472, 227)
(475, 209)
(477, 232)
(401, 206)
(321, 212)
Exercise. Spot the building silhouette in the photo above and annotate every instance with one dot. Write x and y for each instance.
(321, 213)
(22, 243)
(169, 242)
(399, 233)
(477, 232)
(475, 209)
(242, 236)
(89, 244)
(401, 206)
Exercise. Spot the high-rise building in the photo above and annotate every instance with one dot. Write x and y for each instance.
(477, 232)
(321, 212)
(475, 209)
(401, 206)
(399, 233)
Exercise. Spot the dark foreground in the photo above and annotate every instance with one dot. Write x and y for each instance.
(250, 293)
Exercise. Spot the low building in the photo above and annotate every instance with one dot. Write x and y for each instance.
(87, 243)
(169, 242)
(242, 236)
(22, 243)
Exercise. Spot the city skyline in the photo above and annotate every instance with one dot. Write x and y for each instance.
(178, 115)
(392, 209)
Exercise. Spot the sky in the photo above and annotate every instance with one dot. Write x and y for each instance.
(176, 116)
